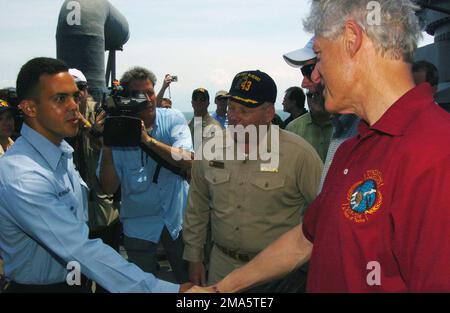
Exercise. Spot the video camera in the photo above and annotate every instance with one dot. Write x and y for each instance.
(122, 127)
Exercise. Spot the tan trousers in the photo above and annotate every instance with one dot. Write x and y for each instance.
(220, 265)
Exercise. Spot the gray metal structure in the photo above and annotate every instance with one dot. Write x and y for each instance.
(86, 29)
(436, 21)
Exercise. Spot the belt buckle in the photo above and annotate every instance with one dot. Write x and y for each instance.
(243, 257)
(235, 255)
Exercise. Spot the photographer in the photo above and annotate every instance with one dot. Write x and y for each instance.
(166, 103)
(153, 196)
(168, 79)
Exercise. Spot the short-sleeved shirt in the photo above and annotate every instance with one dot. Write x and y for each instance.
(252, 202)
(222, 120)
(43, 215)
(318, 136)
(149, 204)
(206, 121)
(381, 223)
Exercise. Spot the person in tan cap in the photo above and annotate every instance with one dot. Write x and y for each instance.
(250, 202)
(221, 112)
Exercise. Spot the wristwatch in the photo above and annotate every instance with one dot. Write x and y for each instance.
(152, 142)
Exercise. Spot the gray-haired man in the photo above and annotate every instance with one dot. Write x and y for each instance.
(377, 225)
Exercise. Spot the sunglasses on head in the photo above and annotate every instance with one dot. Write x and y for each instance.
(82, 86)
(307, 70)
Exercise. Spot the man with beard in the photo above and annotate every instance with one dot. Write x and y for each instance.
(153, 194)
(314, 126)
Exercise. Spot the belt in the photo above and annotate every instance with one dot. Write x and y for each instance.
(243, 257)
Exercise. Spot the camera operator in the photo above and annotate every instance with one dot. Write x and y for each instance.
(153, 196)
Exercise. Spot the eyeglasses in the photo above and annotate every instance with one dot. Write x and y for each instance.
(307, 70)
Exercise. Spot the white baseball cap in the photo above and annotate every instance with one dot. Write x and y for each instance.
(298, 57)
(77, 75)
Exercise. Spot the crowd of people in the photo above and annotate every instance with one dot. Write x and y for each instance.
(360, 178)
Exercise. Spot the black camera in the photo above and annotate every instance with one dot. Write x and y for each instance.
(121, 102)
(122, 127)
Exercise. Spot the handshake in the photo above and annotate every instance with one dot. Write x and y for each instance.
(190, 288)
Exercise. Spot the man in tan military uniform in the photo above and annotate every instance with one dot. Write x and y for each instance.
(251, 201)
(200, 104)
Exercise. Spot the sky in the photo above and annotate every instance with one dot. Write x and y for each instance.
(204, 42)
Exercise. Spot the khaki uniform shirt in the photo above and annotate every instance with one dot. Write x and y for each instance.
(251, 204)
(206, 121)
(102, 210)
(318, 136)
(2, 151)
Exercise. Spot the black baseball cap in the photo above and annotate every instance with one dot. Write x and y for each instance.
(200, 91)
(5, 106)
(253, 88)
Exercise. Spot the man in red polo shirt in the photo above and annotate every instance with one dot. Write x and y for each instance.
(382, 221)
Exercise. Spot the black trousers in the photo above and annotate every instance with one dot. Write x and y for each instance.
(111, 236)
(14, 287)
(294, 282)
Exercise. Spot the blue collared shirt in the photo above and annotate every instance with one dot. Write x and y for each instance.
(43, 214)
(222, 120)
(147, 206)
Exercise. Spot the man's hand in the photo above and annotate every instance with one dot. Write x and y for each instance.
(198, 289)
(167, 81)
(99, 125)
(197, 274)
(185, 287)
(145, 137)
